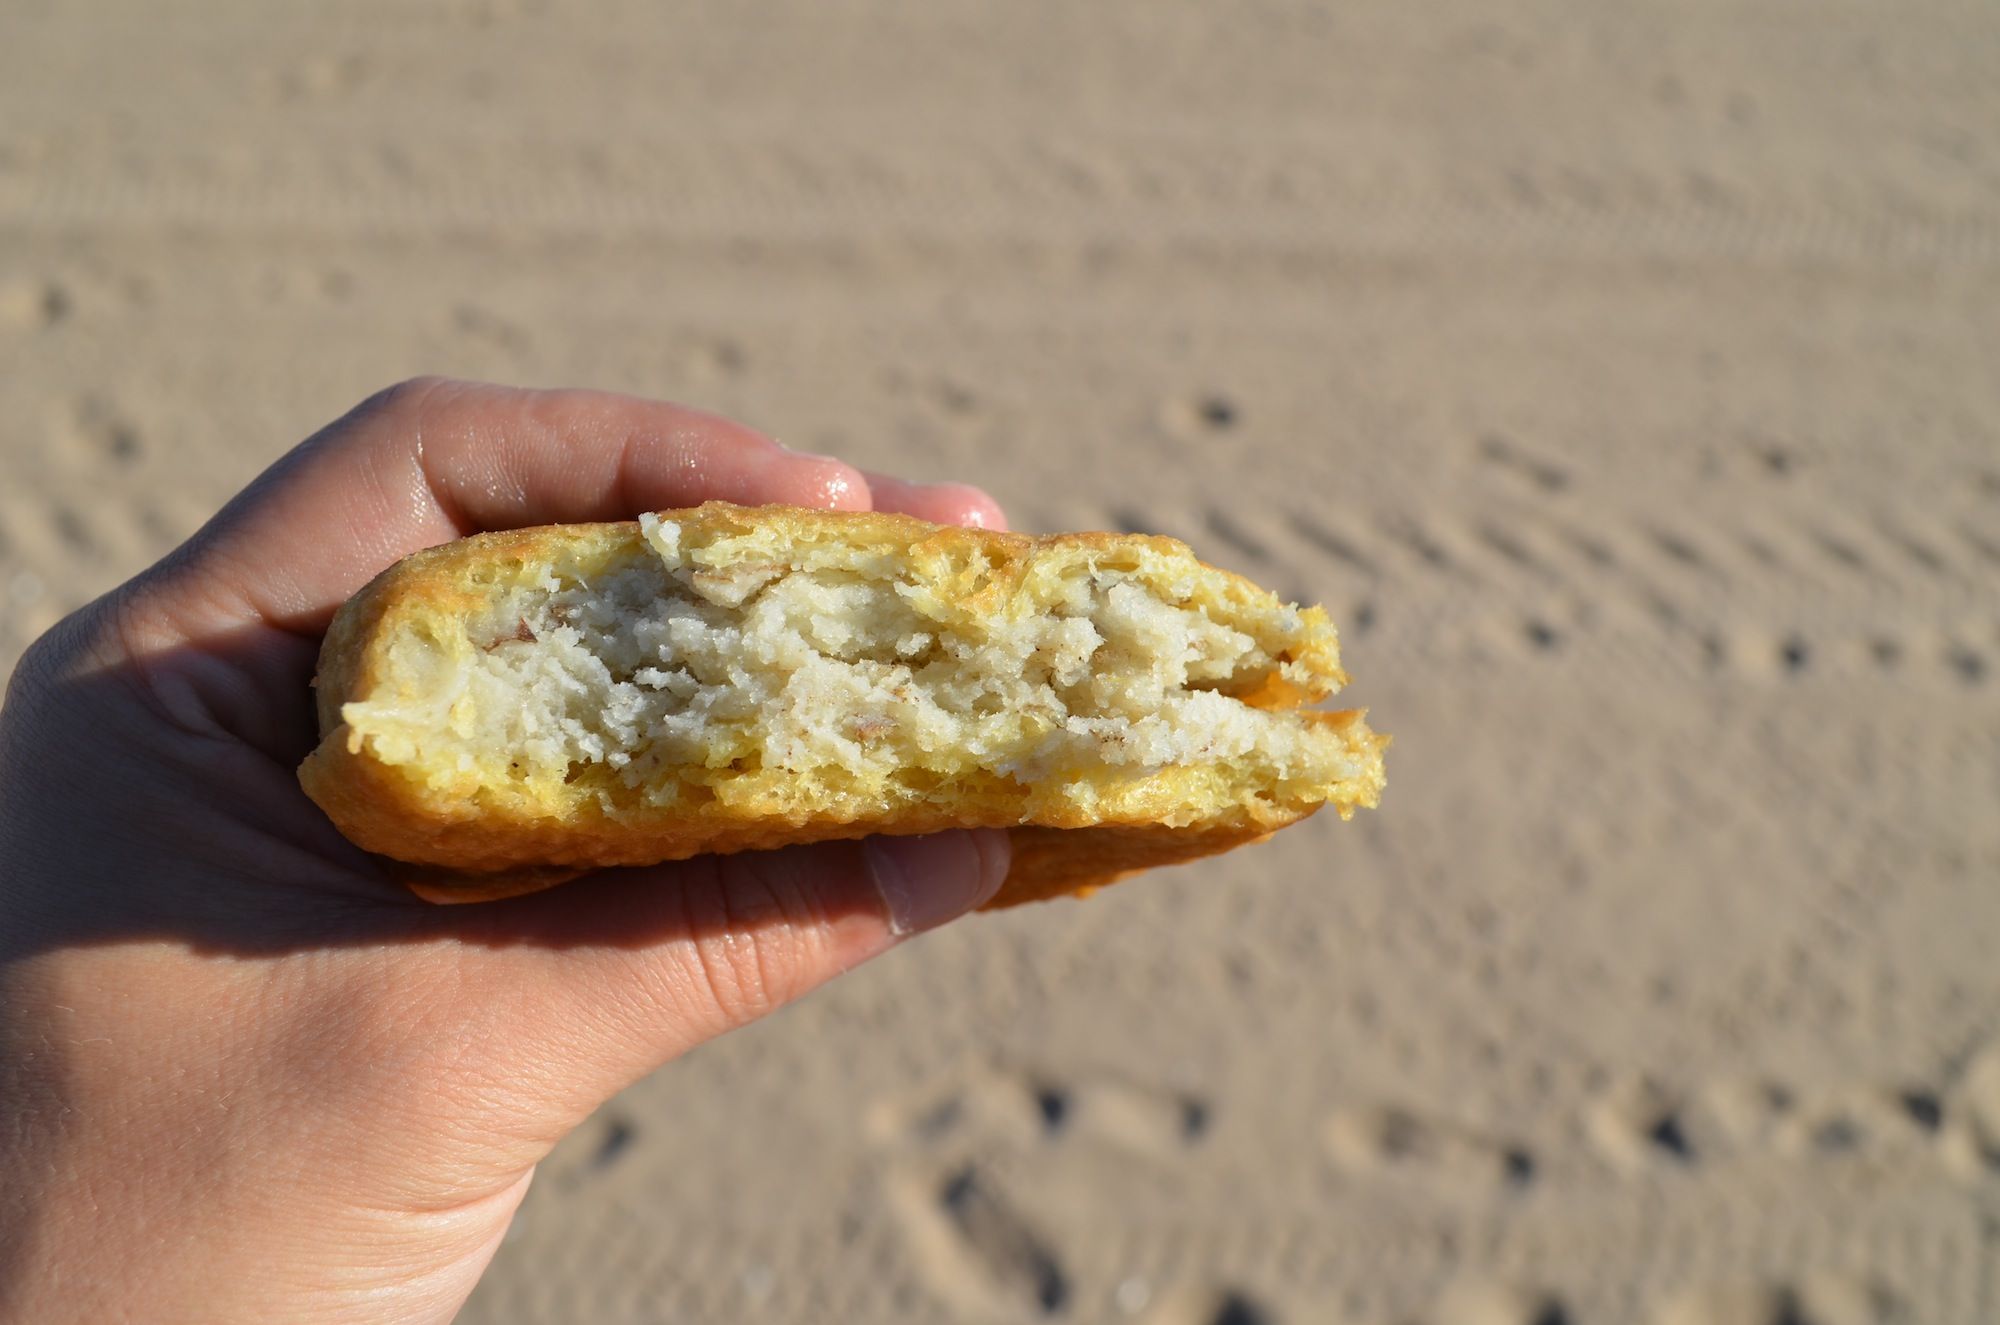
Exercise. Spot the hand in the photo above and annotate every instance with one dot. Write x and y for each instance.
(243, 1077)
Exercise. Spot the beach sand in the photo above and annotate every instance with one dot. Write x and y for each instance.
(1623, 378)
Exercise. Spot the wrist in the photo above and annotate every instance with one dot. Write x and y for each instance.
(179, 1167)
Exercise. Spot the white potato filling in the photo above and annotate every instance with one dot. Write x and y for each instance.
(662, 664)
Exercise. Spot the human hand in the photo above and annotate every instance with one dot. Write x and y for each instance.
(242, 1076)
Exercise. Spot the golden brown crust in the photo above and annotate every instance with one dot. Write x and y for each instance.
(1047, 863)
(467, 841)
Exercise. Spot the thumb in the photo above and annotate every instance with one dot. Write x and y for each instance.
(632, 968)
(925, 881)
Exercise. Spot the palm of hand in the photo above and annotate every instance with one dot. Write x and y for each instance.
(225, 1039)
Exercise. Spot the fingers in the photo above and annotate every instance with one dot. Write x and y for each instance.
(647, 963)
(433, 459)
(940, 503)
(430, 460)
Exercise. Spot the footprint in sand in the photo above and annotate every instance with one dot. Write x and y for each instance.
(1773, 656)
(1641, 1126)
(1505, 454)
(1202, 1305)
(489, 328)
(953, 397)
(1727, 1117)
(1141, 1121)
(975, 1250)
(1864, 1122)
(984, 1105)
(1193, 418)
(1820, 1300)
(1968, 1130)
(73, 530)
(1479, 1302)
(604, 1142)
(1968, 664)
(1227, 532)
(1023, 1109)
(33, 305)
(1638, 1126)
(717, 359)
(1427, 553)
(1506, 543)
(1341, 548)
(1397, 1142)
(95, 425)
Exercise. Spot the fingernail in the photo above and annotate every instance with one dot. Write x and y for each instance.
(798, 454)
(925, 881)
(838, 487)
(976, 518)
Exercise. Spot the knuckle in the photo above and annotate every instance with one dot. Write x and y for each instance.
(411, 389)
(58, 652)
(403, 402)
(34, 673)
(757, 936)
(735, 977)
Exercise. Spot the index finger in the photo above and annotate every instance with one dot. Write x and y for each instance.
(432, 460)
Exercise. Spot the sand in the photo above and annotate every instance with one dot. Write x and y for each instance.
(1622, 377)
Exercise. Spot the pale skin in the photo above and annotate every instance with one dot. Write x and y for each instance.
(243, 1077)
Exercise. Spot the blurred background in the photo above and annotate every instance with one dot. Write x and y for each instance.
(1625, 379)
